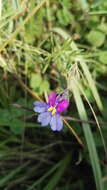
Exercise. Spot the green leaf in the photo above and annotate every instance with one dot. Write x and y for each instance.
(96, 38)
(44, 86)
(103, 57)
(97, 3)
(64, 16)
(103, 27)
(84, 4)
(16, 129)
(35, 80)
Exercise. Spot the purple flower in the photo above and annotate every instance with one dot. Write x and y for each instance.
(49, 113)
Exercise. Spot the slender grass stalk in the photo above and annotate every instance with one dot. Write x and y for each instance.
(97, 122)
(97, 12)
(91, 85)
(33, 94)
(73, 132)
(89, 137)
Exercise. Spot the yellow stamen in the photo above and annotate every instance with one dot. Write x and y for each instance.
(51, 108)
(54, 110)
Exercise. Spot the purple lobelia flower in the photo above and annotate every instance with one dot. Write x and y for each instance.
(49, 113)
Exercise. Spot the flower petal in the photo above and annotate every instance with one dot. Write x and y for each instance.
(56, 122)
(44, 118)
(52, 98)
(40, 106)
(62, 105)
(39, 103)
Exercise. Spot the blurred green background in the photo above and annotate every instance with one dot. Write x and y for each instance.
(51, 45)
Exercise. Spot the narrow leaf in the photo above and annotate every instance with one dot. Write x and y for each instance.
(89, 138)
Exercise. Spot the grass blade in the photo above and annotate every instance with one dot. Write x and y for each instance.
(89, 138)
(56, 177)
(12, 174)
(35, 9)
(91, 85)
(40, 180)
